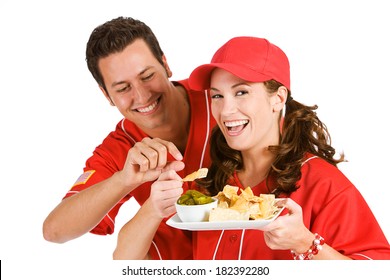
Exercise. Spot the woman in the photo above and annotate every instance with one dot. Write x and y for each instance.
(274, 144)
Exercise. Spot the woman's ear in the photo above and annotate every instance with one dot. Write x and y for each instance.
(280, 105)
(166, 66)
(280, 98)
(107, 96)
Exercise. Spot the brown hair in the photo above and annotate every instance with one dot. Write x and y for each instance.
(114, 36)
(303, 132)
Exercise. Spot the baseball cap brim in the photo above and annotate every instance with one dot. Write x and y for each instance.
(200, 77)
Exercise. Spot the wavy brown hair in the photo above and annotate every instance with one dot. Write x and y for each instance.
(303, 132)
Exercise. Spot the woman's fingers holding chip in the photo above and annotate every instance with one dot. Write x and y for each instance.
(165, 191)
(286, 230)
(174, 166)
(293, 216)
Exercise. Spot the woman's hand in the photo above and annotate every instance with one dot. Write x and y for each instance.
(165, 192)
(288, 232)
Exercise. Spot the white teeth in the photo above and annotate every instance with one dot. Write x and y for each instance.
(147, 109)
(236, 123)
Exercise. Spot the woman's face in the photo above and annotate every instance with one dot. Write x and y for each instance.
(245, 112)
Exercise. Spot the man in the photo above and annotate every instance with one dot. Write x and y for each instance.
(165, 126)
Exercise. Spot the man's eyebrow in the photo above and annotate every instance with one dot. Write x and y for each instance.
(146, 69)
(118, 83)
(139, 74)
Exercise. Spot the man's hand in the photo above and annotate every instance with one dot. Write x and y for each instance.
(147, 160)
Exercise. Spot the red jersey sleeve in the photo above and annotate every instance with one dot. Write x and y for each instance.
(108, 158)
(334, 208)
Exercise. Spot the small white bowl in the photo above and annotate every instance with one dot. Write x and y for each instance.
(195, 213)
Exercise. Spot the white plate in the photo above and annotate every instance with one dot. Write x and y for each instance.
(175, 222)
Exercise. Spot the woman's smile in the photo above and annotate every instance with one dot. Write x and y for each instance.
(235, 127)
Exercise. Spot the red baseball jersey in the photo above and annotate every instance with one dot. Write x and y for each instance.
(332, 207)
(109, 157)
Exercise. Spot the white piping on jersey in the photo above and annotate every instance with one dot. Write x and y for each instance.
(219, 241)
(241, 243)
(158, 251)
(124, 130)
(74, 192)
(313, 157)
(207, 131)
(364, 256)
(112, 221)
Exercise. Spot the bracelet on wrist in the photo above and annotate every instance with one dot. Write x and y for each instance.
(313, 250)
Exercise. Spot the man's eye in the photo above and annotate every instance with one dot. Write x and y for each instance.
(122, 89)
(148, 77)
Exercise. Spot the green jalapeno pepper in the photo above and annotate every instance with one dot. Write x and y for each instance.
(193, 197)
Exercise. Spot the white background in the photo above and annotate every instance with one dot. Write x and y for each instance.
(53, 115)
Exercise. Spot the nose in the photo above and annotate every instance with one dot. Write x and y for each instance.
(229, 106)
(141, 94)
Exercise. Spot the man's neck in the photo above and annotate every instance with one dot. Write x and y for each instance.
(178, 129)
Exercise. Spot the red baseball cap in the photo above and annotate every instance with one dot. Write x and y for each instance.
(249, 58)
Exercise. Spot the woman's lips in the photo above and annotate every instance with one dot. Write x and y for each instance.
(235, 127)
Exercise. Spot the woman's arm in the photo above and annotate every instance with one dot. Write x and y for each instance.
(135, 237)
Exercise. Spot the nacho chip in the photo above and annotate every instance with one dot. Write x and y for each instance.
(222, 214)
(223, 204)
(245, 206)
(230, 191)
(247, 193)
(241, 204)
(201, 173)
(267, 207)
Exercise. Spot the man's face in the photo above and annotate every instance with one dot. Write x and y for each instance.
(137, 84)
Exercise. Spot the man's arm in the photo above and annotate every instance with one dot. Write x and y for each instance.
(78, 214)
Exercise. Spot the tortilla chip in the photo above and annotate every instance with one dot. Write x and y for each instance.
(230, 191)
(241, 204)
(221, 214)
(223, 205)
(201, 173)
(267, 207)
(247, 193)
(232, 206)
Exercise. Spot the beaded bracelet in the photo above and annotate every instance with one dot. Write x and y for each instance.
(313, 250)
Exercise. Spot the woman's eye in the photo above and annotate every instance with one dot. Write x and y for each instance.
(241, 92)
(216, 96)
